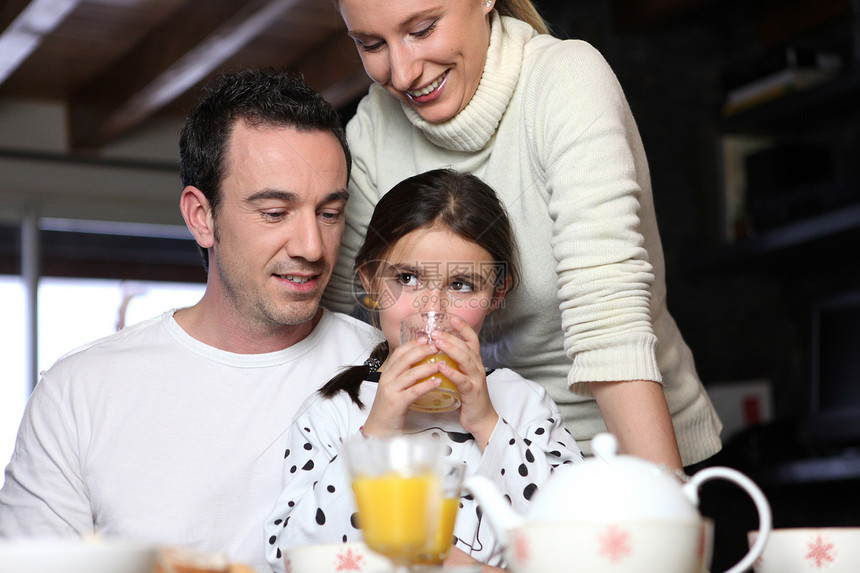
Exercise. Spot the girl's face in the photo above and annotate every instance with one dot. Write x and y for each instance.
(428, 53)
(434, 269)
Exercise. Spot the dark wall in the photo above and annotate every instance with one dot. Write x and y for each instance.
(743, 321)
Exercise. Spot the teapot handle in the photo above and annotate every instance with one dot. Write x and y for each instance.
(765, 520)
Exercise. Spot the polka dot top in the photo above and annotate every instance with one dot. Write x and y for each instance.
(316, 504)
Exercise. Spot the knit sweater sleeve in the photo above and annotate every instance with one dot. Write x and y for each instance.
(365, 139)
(586, 144)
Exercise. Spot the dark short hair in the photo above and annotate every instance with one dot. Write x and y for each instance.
(259, 98)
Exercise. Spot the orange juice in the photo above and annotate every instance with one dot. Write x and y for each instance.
(440, 543)
(397, 512)
(444, 398)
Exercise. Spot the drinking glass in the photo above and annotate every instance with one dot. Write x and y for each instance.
(397, 482)
(422, 325)
(440, 542)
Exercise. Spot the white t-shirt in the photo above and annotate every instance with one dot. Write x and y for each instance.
(151, 435)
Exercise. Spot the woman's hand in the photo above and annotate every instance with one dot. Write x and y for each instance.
(397, 387)
(477, 414)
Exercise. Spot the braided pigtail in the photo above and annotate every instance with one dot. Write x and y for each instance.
(349, 380)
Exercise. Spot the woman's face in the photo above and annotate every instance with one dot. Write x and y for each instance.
(428, 53)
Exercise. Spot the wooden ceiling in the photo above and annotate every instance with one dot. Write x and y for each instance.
(118, 63)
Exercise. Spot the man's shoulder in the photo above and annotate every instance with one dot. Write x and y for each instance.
(137, 334)
(344, 325)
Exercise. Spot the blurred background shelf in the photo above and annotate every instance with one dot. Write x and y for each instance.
(817, 238)
(827, 102)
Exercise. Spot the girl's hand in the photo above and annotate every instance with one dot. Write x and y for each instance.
(477, 414)
(398, 389)
(458, 557)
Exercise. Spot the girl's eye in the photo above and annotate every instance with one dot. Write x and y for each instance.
(408, 279)
(462, 286)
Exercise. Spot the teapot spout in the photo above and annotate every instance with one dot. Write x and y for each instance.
(501, 516)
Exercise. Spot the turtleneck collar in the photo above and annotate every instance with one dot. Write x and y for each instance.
(471, 129)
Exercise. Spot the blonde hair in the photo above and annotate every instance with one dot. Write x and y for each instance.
(523, 10)
(520, 9)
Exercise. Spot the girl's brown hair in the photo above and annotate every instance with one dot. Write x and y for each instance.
(443, 198)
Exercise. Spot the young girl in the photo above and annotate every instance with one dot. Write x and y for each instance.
(440, 240)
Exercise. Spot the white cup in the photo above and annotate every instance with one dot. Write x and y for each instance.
(335, 558)
(806, 549)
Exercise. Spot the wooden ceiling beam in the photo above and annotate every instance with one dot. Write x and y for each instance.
(335, 70)
(23, 26)
(165, 65)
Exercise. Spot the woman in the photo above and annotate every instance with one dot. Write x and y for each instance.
(472, 84)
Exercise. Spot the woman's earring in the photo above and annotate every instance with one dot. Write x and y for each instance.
(489, 3)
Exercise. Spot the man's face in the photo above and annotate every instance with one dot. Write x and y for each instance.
(279, 225)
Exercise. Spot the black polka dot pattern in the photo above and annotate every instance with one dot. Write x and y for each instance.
(529, 491)
(528, 441)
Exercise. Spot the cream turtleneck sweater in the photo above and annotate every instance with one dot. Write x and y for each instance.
(550, 130)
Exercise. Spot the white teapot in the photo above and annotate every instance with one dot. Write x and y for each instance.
(615, 513)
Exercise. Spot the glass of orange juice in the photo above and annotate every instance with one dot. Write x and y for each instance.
(397, 482)
(440, 542)
(422, 325)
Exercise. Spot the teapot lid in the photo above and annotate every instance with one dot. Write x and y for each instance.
(610, 487)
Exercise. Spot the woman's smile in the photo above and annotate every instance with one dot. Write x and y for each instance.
(429, 92)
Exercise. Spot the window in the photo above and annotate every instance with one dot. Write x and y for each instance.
(72, 312)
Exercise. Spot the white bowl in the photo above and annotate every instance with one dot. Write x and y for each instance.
(803, 549)
(76, 556)
(334, 558)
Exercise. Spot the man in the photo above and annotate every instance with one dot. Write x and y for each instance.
(171, 431)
